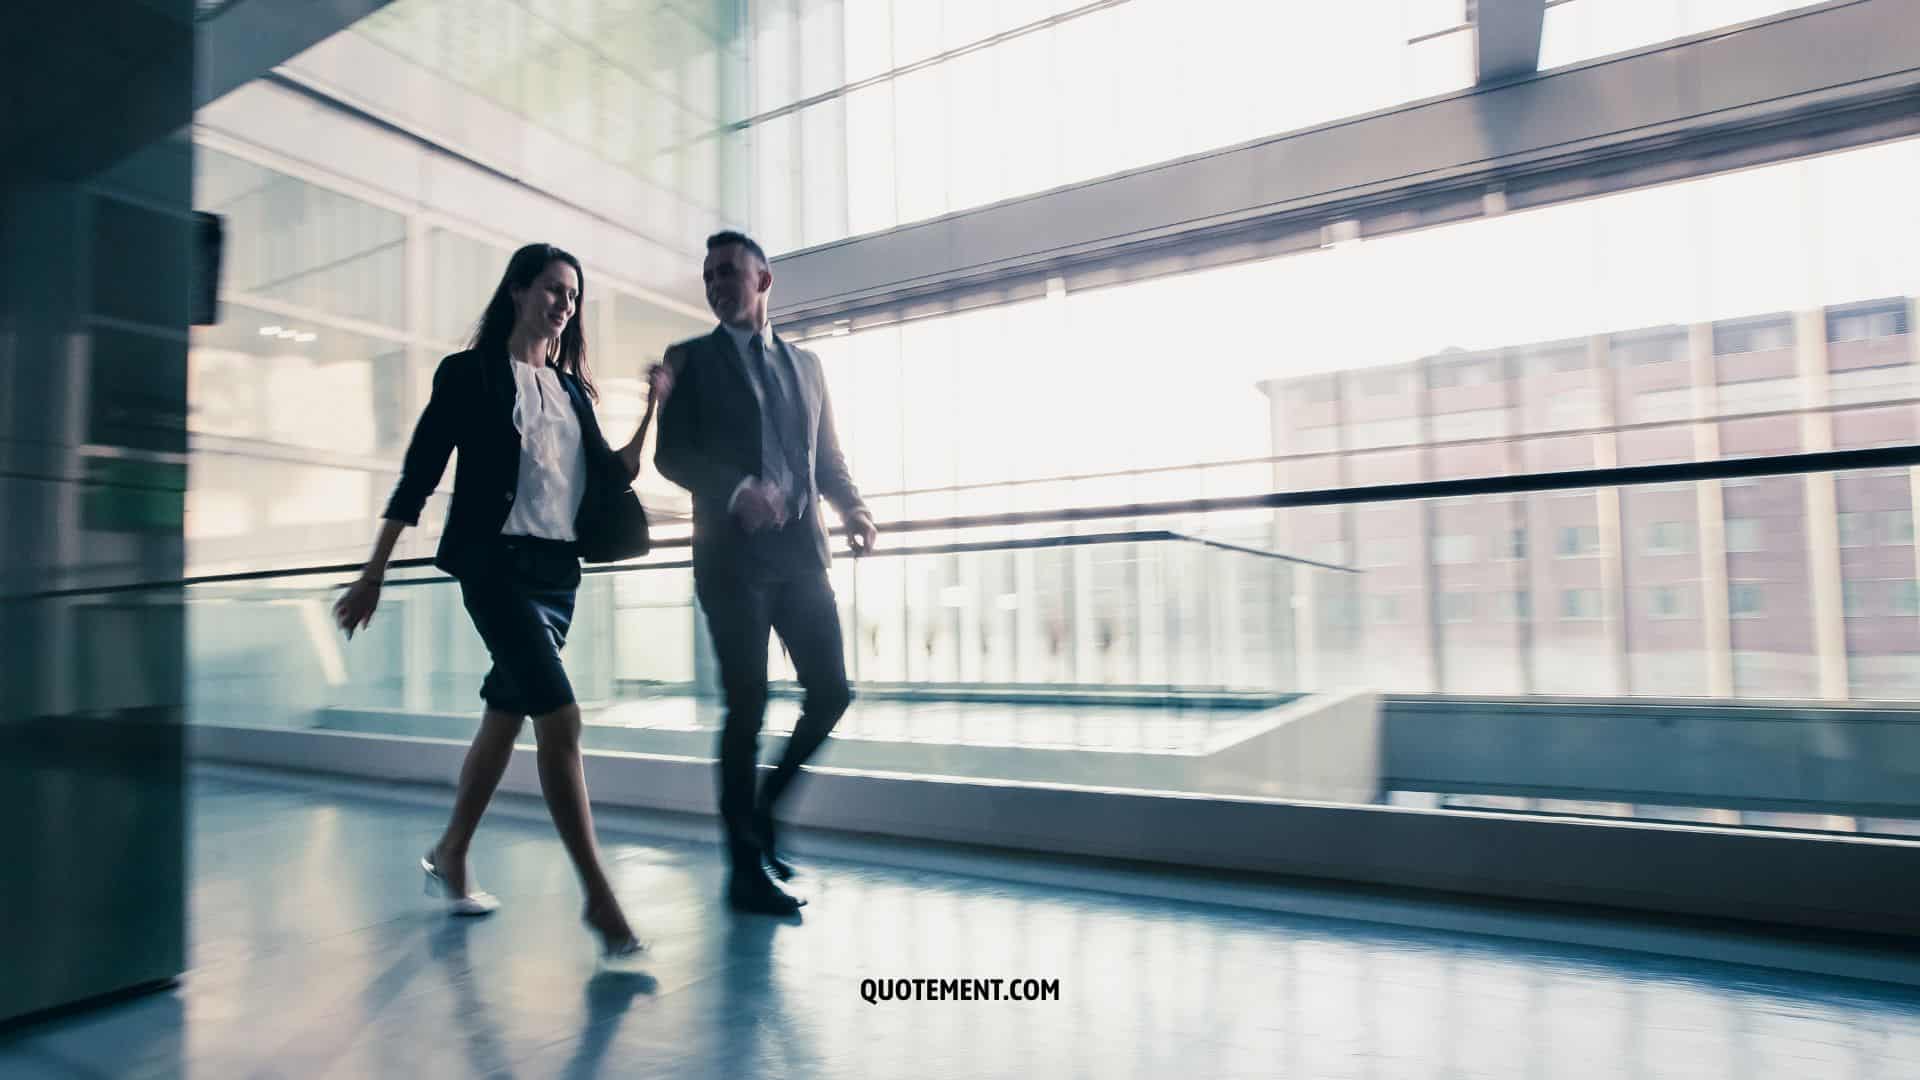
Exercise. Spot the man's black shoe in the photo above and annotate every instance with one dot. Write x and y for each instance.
(755, 893)
(769, 847)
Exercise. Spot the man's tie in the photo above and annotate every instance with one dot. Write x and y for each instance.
(785, 462)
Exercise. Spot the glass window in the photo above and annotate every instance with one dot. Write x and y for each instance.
(1519, 605)
(1456, 607)
(1368, 434)
(639, 333)
(1669, 538)
(461, 275)
(271, 379)
(296, 243)
(1648, 347)
(1894, 526)
(1905, 598)
(869, 26)
(1856, 528)
(1454, 549)
(1516, 543)
(1659, 406)
(1580, 603)
(776, 184)
(922, 140)
(1573, 409)
(1578, 540)
(1383, 552)
(1743, 534)
(1667, 602)
(1472, 424)
(1856, 597)
(872, 201)
(1314, 440)
(1746, 600)
(1868, 324)
(1753, 335)
(1555, 360)
(1014, 103)
(1386, 609)
(1478, 371)
(1121, 333)
(1573, 31)
(822, 168)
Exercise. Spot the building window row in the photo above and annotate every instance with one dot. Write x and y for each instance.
(1867, 599)
(1867, 528)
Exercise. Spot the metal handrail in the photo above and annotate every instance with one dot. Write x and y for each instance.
(1025, 543)
(1885, 457)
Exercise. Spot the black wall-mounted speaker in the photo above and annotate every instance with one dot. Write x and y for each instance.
(209, 240)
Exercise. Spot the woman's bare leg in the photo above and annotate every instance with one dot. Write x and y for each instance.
(563, 780)
(486, 762)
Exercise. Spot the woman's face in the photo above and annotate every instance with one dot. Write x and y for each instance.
(544, 306)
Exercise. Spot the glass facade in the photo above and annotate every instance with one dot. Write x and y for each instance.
(646, 88)
(868, 114)
(335, 310)
(1758, 312)
(1577, 30)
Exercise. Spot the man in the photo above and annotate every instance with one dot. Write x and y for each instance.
(749, 431)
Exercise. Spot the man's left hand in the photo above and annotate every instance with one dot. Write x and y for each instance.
(861, 534)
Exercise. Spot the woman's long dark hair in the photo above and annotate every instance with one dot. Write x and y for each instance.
(496, 323)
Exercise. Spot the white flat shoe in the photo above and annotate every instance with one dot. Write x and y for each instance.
(474, 904)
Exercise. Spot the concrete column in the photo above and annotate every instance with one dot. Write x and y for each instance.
(96, 272)
(1423, 541)
(1913, 474)
(1716, 621)
(1613, 589)
(1823, 523)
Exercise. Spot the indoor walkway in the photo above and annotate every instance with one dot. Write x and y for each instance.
(315, 955)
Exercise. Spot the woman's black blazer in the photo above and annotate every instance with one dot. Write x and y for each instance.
(471, 410)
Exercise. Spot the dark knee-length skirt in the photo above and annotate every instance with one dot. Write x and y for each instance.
(521, 602)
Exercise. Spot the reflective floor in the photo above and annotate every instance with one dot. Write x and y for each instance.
(315, 955)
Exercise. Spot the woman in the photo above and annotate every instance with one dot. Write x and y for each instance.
(518, 407)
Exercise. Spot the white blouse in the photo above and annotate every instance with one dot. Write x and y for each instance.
(553, 471)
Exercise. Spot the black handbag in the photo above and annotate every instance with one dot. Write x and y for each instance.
(612, 527)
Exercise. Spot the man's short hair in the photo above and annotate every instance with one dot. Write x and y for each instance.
(728, 237)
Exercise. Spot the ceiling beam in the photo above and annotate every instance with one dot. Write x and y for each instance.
(246, 39)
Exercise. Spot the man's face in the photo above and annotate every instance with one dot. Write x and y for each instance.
(737, 284)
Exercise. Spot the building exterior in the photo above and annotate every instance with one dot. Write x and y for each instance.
(1772, 587)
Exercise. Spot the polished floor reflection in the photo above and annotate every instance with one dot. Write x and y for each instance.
(314, 955)
(1158, 728)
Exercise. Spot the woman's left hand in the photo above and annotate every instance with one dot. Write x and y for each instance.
(659, 384)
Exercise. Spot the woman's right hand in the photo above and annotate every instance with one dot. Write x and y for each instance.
(354, 610)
